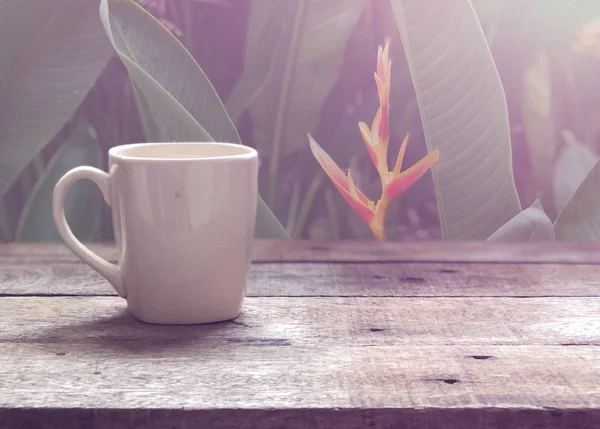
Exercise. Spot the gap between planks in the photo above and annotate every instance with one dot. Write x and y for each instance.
(267, 251)
(335, 279)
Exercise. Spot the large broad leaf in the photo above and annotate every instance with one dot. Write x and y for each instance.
(83, 203)
(487, 10)
(531, 224)
(574, 163)
(302, 42)
(538, 121)
(464, 115)
(51, 53)
(580, 219)
(178, 94)
(260, 46)
(175, 98)
(558, 20)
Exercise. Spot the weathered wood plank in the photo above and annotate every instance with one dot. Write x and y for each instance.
(355, 251)
(340, 279)
(488, 359)
(455, 347)
(40, 253)
(428, 251)
(390, 418)
(97, 322)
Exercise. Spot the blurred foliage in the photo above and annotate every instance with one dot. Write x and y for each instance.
(288, 68)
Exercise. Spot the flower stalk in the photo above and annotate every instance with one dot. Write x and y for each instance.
(376, 138)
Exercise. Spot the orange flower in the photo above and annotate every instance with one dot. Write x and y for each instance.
(396, 181)
(376, 138)
(383, 78)
(345, 184)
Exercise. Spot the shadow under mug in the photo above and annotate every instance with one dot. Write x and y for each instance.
(183, 217)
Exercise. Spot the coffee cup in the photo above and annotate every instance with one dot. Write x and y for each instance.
(183, 217)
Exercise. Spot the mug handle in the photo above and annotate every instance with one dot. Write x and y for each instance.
(107, 269)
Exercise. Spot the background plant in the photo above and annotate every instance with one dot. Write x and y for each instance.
(393, 182)
(284, 69)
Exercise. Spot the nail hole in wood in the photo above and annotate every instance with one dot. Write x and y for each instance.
(61, 354)
(448, 380)
(413, 279)
(260, 341)
(481, 357)
(377, 329)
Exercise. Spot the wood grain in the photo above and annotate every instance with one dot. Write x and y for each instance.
(340, 279)
(389, 418)
(427, 251)
(351, 361)
(292, 377)
(332, 335)
(96, 321)
(354, 251)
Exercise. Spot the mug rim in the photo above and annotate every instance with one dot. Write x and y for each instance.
(246, 152)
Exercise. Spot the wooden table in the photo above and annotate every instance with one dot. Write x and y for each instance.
(332, 335)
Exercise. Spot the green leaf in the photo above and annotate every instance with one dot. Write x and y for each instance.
(153, 131)
(303, 43)
(532, 224)
(84, 201)
(464, 115)
(175, 98)
(539, 122)
(558, 20)
(487, 10)
(259, 63)
(580, 219)
(574, 163)
(51, 53)
(177, 92)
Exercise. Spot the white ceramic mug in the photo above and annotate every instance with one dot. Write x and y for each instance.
(184, 217)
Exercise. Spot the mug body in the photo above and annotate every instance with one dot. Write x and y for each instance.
(184, 216)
